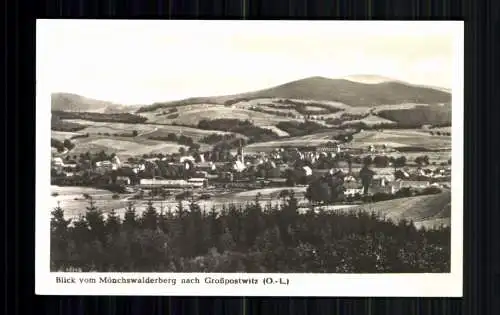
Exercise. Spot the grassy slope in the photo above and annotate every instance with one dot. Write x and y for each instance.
(192, 116)
(63, 135)
(370, 120)
(428, 209)
(145, 130)
(312, 139)
(124, 147)
(401, 138)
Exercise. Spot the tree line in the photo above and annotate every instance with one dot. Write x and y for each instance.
(248, 238)
(172, 137)
(58, 124)
(217, 137)
(244, 127)
(61, 146)
(302, 107)
(101, 117)
(294, 128)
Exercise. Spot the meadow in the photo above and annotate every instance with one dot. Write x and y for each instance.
(124, 147)
(192, 115)
(397, 138)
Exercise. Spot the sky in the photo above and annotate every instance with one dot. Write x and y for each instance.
(142, 62)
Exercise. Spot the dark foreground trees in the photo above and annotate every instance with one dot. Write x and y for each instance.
(245, 239)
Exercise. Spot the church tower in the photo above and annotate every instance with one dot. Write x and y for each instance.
(241, 157)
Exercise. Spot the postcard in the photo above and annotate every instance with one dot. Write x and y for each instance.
(249, 158)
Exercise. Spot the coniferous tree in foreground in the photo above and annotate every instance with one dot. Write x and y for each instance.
(244, 239)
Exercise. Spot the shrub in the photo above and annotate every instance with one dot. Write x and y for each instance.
(380, 196)
(404, 192)
(432, 190)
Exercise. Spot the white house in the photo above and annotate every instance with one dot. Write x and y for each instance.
(239, 166)
(307, 170)
(186, 158)
(57, 161)
(198, 181)
(352, 187)
(170, 183)
(410, 184)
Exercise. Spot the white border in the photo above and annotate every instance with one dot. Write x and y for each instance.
(384, 285)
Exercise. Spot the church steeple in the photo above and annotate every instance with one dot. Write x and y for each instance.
(241, 157)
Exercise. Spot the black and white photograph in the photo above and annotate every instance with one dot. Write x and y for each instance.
(236, 148)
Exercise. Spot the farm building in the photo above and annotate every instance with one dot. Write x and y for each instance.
(70, 165)
(57, 161)
(352, 188)
(169, 183)
(410, 184)
(198, 181)
(186, 158)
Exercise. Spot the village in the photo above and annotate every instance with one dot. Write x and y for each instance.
(204, 175)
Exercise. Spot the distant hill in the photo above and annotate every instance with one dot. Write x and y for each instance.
(77, 103)
(368, 78)
(375, 79)
(344, 91)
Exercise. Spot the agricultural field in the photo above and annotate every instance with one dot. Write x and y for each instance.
(419, 209)
(112, 127)
(145, 130)
(272, 145)
(280, 101)
(306, 140)
(398, 138)
(394, 107)
(370, 121)
(276, 130)
(63, 135)
(196, 134)
(124, 147)
(191, 116)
